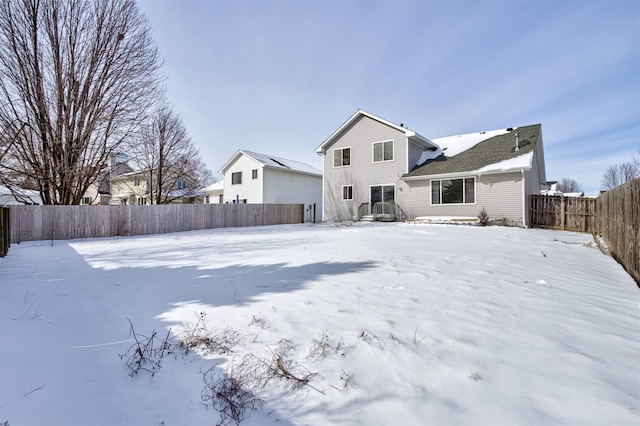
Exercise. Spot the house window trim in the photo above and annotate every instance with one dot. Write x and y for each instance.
(333, 161)
(393, 151)
(232, 179)
(464, 192)
(342, 192)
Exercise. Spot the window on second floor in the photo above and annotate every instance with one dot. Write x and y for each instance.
(341, 157)
(236, 178)
(382, 151)
(254, 174)
(181, 184)
(136, 182)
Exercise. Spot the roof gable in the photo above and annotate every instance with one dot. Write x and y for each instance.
(272, 162)
(496, 153)
(410, 134)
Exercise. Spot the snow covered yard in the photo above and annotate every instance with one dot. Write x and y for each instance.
(400, 325)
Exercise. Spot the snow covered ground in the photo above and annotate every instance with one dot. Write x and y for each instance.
(401, 325)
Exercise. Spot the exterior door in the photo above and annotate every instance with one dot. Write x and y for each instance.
(384, 193)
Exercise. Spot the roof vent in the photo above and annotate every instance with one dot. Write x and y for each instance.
(510, 129)
(517, 141)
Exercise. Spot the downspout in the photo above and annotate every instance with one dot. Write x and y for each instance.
(524, 201)
(323, 188)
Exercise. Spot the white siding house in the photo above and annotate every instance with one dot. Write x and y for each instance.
(250, 177)
(214, 193)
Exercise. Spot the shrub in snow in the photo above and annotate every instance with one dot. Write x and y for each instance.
(483, 218)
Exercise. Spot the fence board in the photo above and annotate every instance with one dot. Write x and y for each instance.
(619, 225)
(31, 223)
(565, 213)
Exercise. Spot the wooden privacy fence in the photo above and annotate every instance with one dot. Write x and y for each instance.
(614, 215)
(565, 213)
(32, 223)
(618, 223)
(5, 231)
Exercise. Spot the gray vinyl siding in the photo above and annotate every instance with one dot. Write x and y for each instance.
(362, 173)
(499, 194)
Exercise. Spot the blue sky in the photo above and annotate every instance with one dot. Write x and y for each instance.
(278, 77)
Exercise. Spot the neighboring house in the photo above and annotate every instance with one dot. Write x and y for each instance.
(99, 193)
(133, 189)
(250, 177)
(24, 197)
(370, 160)
(214, 193)
(553, 190)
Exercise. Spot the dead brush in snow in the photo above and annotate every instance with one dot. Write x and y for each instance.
(259, 371)
(323, 347)
(235, 395)
(229, 395)
(370, 337)
(147, 351)
(201, 335)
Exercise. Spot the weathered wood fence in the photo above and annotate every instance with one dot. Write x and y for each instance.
(565, 213)
(614, 216)
(31, 223)
(5, 231)
(618, 223)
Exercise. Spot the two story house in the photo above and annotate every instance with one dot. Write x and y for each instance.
(251, 177)
(370, 161)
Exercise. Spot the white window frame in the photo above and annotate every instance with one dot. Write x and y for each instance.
(333, 161)
(239, 174)
(464, 192)
(373, 150)
(343, 189)
(86, 201)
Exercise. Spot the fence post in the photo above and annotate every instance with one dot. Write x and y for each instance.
(562, 212)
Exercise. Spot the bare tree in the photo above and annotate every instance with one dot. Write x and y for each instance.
(619, 174)
(170, 161)
(566, 185)
(76, 79)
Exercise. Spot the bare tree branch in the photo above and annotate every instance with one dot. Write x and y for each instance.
(566, 185)
(619, 174)
(78, 77)
(173, 166)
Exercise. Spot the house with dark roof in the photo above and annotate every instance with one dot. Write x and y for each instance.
(372, 167)
(251, 177)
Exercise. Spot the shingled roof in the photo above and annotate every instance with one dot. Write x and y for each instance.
(493, 150)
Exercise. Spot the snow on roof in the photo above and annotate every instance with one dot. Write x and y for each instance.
(516, 163)
(214, 186)
(454, 145)
(282, 163)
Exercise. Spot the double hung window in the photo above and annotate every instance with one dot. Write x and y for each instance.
(347, 192)
(341, 157)
(382, 151)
